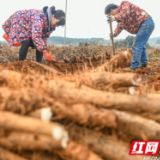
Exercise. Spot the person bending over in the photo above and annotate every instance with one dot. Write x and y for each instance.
(32, 28)
(136, 21)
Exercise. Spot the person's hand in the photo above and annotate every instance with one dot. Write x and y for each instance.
(49, 57)
(110, 19)
(112, 35)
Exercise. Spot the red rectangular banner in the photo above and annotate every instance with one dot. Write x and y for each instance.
(144, 148)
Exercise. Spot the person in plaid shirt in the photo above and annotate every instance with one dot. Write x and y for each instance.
(32, 28)
(136, 21)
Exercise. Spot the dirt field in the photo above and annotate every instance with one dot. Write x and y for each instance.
(84, 107)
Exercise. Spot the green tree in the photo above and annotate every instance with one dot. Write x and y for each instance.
(148, 45)
(128, 41)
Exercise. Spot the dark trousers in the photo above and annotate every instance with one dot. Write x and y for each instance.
(24, 49)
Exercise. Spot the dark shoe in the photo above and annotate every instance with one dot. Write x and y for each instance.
(143, 65)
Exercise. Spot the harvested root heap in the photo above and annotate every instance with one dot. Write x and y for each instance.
(92, 115)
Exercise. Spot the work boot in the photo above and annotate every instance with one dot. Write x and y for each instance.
(129, 69)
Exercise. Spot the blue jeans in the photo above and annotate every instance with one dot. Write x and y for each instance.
(139, 45)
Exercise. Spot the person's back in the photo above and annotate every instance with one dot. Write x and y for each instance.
(130, 16)
(24, 19)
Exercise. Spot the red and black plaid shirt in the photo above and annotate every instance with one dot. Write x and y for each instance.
(129, 17)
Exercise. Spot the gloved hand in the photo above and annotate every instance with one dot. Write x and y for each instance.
(49, 57)
(112, 35)
(110, 19)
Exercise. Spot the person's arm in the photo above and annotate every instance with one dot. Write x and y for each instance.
(118, 30)
(37, 34)
(124, 11)
(37, 37)
(46, 36)
(45, 41)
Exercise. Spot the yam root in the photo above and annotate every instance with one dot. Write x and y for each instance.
(138, 127)
(119, 60)
(72, 152)
(76, 151)
(16, 80)
(44, 114)
(105, 80)
(124, 102)
(154, 117)
(152, 96)
(102, 81)
(10, 78)
(87, 115)
(17, 141)
(20, 101)
(39, 155)
(10, 121)
(110, 81)
(7, 155)
(67, 90)
(104, 146)
(21, 141)
(126, 90)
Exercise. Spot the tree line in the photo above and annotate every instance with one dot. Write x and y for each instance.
(128, 41)
(60, 40)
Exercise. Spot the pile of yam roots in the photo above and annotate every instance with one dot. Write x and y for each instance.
(89, 116)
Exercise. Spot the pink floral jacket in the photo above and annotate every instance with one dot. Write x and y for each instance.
(27, 24)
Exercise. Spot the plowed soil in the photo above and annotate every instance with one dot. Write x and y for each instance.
(81, 109)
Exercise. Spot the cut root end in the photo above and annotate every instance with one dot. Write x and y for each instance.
(65, 140)
(57, 133)
(46, 114)
(131, 90)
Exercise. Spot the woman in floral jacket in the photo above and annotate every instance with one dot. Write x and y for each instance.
(32, 28)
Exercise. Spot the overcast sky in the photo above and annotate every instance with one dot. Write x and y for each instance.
(85, 18)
